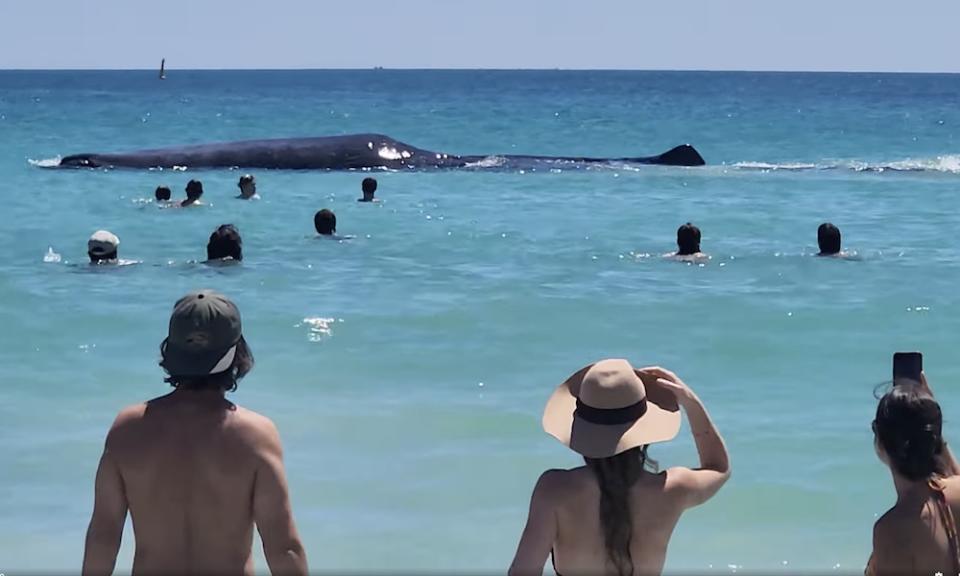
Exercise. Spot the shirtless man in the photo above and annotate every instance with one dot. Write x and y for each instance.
(369, 188)
(688, 245)
(195, 470)
(194, 192)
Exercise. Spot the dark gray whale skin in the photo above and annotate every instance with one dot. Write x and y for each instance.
(353, 151)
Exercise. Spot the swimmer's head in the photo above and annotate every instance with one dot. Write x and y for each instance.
(225, 242)
(688, 240)
(828, 237)
(325, 221)
(248, 186)
(162, 193)
(194, 190)
(369, 187)
(102, 246)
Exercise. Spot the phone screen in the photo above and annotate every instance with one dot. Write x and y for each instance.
(907, 365)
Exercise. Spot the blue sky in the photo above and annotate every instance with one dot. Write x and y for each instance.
(849, 35)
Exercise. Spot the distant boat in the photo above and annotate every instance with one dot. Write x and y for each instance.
(163, 72)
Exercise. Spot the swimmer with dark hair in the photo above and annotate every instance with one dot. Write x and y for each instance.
(829, 240)
(194, 192)
(248, 188)
(325, 221)
(225, 244)
(688, 245)
(369, 188)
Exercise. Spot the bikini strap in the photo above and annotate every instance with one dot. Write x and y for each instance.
(946, 517)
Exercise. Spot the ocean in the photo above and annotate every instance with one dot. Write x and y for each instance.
(407, 368)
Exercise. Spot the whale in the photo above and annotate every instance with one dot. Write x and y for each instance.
(344, 152)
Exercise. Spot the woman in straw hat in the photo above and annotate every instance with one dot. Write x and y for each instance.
(614, 515)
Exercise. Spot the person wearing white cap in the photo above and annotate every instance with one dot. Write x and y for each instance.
(616, 514)
(102, 247)
(248, 188)
(195, 471)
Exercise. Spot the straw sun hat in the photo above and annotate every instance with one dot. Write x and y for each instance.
(609, 407)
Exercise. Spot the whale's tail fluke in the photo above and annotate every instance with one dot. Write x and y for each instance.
(683, 155)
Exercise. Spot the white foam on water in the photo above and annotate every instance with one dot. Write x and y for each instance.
(488, 162)
(319, 328)
(770, 166)
(949, 164)
(52, 256)
(45, 162)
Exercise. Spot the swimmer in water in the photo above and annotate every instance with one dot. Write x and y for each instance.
(829, 239)
(162, 194)
(369, 187)
(248, 188)
(102, 247)
(688, 245)
(194, 192)
(325, 221)
(225, 245)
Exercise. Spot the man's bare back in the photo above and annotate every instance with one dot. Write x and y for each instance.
(196, 472)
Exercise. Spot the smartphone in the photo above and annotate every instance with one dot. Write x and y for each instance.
(907, 366)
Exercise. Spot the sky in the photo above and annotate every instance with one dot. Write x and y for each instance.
(815, 35)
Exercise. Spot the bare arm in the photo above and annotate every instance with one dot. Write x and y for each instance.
(540, 532)
(109, 515)
(700, 484)
(272, 513)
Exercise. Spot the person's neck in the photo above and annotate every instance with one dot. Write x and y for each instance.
(205, 395)
(908, 490)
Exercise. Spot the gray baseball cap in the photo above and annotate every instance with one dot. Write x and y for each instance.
(204, 332)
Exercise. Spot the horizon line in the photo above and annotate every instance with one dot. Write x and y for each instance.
(483, 69)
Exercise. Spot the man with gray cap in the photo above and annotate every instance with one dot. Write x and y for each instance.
(195, 470)
(102, 247)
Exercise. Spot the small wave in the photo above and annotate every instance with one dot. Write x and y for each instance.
(319, 328)
(51, 256)
(949, 164)
(769, 166)
(45, 162)
(488, 162)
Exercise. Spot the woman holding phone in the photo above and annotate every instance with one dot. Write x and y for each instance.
(919, 535)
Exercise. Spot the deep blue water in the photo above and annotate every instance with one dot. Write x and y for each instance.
(407, 368)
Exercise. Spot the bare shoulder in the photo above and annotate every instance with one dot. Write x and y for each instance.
(678, 478)
(555, 481)
(127, 418)
(688, 485)
(891, 530)
(257, 429)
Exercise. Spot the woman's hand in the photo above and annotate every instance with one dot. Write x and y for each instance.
(671, 382)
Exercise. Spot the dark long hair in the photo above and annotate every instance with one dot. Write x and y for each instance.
(909, 427)
(616, 475)
(225, 381)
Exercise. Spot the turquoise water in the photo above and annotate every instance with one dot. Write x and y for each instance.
(407, 368)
